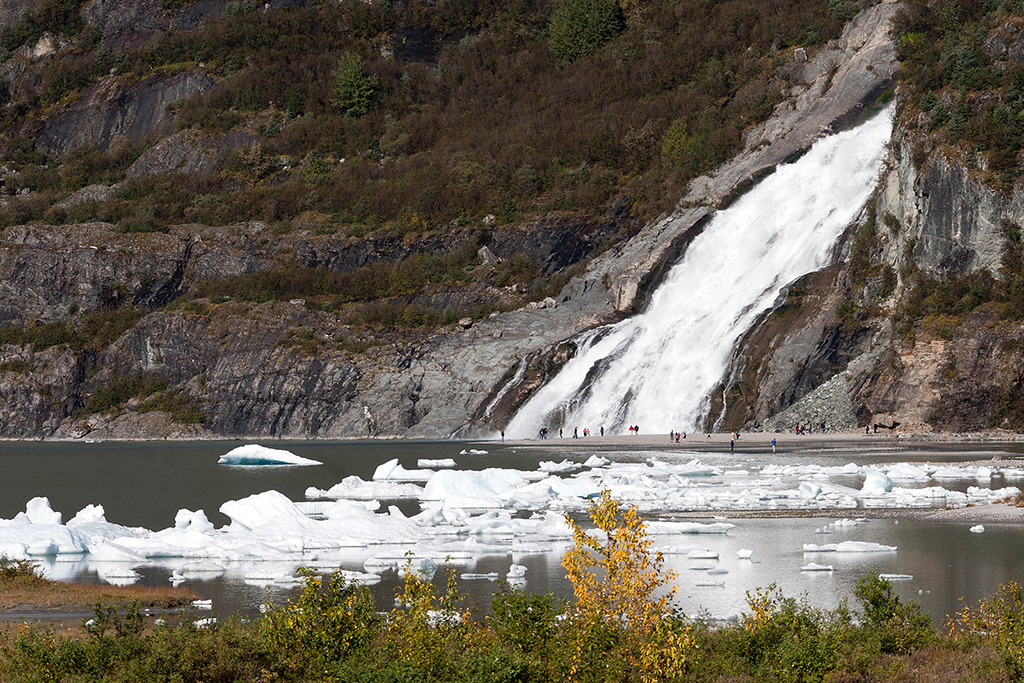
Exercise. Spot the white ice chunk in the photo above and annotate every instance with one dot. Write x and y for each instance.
(565, 466)
(815, 567)
(472, 451)
(392, 471)
(516, 571)
(90, 513)
(896, 577)
(117, 575)
(38, 511)
(485, 488)
(978, 529)
(489, 576)
(254, 454)
(436, 463)
(195, 521)
(258, 509)
(809, 489)
(689, 528)
(876, 483)
(596, 461)
(114, 552)
(904, 471)
(354, 488)
(744, 553)
(849, 547)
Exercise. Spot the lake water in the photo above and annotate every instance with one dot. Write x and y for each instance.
(145, 484)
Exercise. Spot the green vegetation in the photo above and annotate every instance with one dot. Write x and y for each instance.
(580, 27)
(971, 94)
(614, 631)
(476, 112)
(22, 583)
(95, 330)
(152, 389)
(353, 89)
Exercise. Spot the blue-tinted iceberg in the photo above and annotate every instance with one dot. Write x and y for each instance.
(254, 454)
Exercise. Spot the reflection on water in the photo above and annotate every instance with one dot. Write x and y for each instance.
(144, 484)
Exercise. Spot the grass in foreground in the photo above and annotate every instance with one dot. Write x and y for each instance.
(23, 587)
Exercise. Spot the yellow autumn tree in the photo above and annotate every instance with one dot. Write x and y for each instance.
(616, 576)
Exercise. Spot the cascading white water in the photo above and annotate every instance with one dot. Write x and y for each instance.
(657, 369)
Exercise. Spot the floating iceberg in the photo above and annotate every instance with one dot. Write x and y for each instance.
(689, 527)
(436, 463)
(354, 488)
(978, 529)
(392, 471)
(896, 577)
(254, 454)
(815, 567)
(564, 466)
(876, 483)
(472, 489)
(849, 547)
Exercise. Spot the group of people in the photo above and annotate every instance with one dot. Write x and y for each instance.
(634, 430)
(807, 429)
(575, 432)
(674, 436)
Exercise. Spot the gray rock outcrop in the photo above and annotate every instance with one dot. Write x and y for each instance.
(116, 106)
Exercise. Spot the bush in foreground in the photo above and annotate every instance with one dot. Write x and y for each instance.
(619, 627)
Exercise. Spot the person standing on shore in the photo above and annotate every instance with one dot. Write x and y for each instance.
(575, 435)
(602, 430)
(773, 445)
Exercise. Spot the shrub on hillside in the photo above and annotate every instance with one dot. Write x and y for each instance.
(353, 89)
(580, 27)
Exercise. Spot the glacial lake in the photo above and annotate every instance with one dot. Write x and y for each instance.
(144, 484)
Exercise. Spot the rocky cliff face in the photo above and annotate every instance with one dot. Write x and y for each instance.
(829, 353)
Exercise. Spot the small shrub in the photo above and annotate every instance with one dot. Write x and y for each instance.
(900, 627)
(20, 572)
(580, 27)
(617, 615)
(353, 90)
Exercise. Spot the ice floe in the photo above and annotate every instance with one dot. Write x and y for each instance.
(849, 547)
(254, 454)
(392, 471)
(466, 515)
(815, 567)
(436, 463)
(354, 488)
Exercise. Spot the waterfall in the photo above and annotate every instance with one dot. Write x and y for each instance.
(657, 369)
